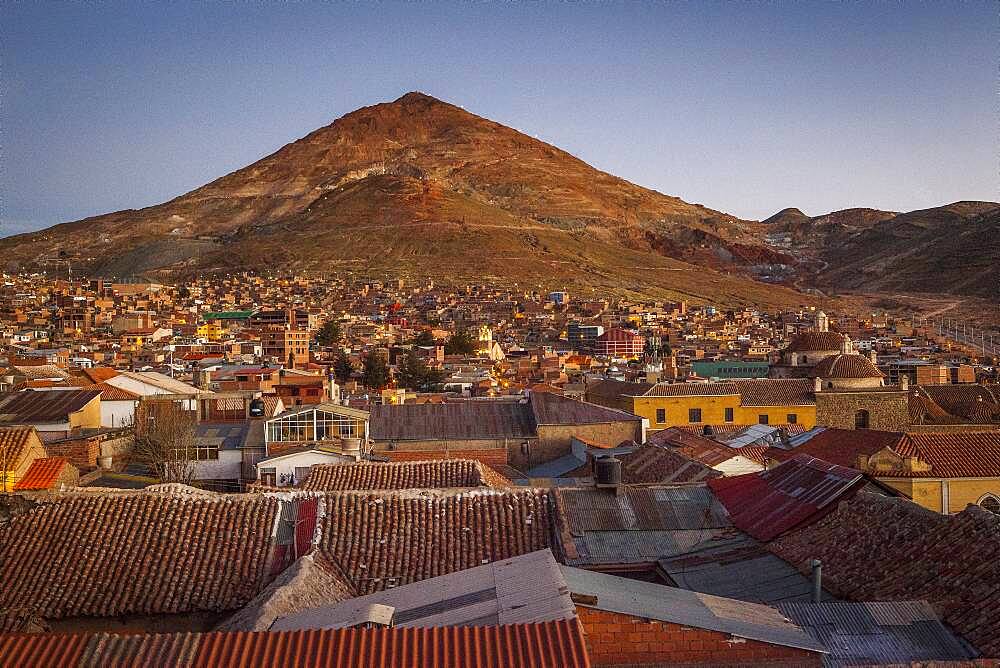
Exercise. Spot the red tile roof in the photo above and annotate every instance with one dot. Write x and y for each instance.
(840, 446)
(14, 441)
(400, 537)
(955, 455)
(555, 644)
(662, 464)
(41, 475)
(775, 392)
(797, 492)
(876, 548)
(399, 475)
(142, 553)
(852, 365)
(816, 341)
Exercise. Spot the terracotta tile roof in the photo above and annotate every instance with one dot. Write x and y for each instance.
(34, 406)
(399, 537)
(367, 476)
(553, 644)
(40, 371)
(112, 393)
(41, 475)
(970, 402)
(14, 441)
(840, 446)
(876, 548)
(796, 492)
(816, 341)
(612, 389)
(955, 455)
(99, 374)
(847, 366)
(775, 392)
(692, 390)
(145, 553)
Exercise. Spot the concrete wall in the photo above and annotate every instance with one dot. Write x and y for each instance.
(945, 495)
(554, 441)
(117, 413)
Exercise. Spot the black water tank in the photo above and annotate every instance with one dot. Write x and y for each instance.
(607, 472)
(257, 408)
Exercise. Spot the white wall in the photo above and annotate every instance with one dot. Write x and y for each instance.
(227, 467)
(117, 413)
(286, 464)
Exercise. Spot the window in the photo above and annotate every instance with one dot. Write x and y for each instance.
(792, 418)
(990, 503)
(729, 415)
(694, 415)
(762, 419)
(861, 419)
(661, 415)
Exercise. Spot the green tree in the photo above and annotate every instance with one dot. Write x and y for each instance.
(329, 333)
(424, 338)
(414, 373)
(460, 343)
(342, 367)
(375, 373)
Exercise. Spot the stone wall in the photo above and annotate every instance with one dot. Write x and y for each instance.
(887, 411)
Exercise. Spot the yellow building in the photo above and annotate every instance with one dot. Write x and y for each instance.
(210, 330)
(740, 402)
(19, 447)
(943, 472)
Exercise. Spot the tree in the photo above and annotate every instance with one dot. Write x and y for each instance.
(165, 440)
(414, 373)
(424, 338)
(329, 333)
(342, 367)
(460, 343)
(375, 372)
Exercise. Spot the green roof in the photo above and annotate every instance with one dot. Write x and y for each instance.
(226, 315)
(730, 369)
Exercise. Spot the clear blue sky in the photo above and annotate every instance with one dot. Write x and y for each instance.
(744, 107)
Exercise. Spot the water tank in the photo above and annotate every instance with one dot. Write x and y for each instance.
(608, 472)
(257, 408)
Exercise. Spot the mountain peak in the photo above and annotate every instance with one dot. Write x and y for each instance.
(415, 96)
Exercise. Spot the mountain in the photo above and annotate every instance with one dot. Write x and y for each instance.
(421, 187)
(952, 249)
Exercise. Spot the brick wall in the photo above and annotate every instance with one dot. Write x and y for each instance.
(81, 452)
(614, 639)
(554, 440)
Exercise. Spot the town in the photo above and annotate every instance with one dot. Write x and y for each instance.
(408, 468)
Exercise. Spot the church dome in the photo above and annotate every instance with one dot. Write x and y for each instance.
(847, 366)
(810, 341)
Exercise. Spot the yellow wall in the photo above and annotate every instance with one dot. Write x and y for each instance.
(713, 411)
(210, 330)
(927, 492)
(89, 417)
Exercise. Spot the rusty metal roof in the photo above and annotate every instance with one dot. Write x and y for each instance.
(456, 420)
(556, 644)
(801, 490)
(40, 407)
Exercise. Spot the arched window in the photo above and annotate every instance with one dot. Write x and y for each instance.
(990, 503)
(861, 419)
(805, 360)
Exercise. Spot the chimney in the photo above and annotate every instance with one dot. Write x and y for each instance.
(817, 580)
(608, 474)
(817, 384)
(904, 382)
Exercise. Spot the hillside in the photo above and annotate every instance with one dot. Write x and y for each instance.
(421, 187)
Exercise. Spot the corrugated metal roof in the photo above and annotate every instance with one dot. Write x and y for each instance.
(551, 408)
(39, 407)
(679, 606)
(800, 490)
(556, 644)
(732, 564)
(896, 632)
(642, 509)
(520, 590)
(456, 420)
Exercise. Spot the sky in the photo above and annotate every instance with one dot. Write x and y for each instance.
(744, 107)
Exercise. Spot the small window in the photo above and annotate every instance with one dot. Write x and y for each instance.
(792, 418)
(694, 415)
(762, 419)
(661, 415)
(990, 503)
(861, 419)
(729, 415)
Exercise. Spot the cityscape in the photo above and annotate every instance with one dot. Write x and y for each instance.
(422, 389)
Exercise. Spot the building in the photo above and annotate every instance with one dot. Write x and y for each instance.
(619, 343)
(54, 414)
(20, 447)
(729, 369)
(736, 402)
(283, 345)
(583, 337)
